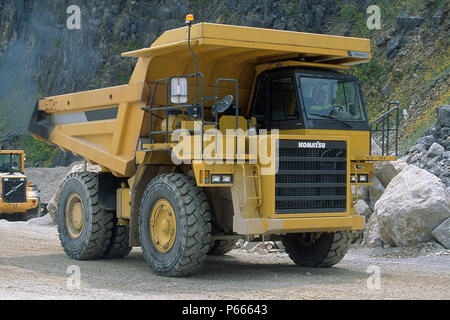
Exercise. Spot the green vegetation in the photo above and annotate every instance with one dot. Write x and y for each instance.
(37, 153)
(353, 16)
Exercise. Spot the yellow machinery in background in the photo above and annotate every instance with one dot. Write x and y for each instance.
(222, 132)
(19, 199)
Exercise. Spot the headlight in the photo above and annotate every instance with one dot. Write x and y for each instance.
(222, 178)
(363, 178)
(352, 178)
(32, 194)
(227, 178)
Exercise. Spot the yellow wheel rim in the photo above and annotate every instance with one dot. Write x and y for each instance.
(163, 226)
(74, 216)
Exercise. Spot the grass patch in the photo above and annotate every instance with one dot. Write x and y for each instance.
(38, 153)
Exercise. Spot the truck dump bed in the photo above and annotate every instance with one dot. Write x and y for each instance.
(104, 125)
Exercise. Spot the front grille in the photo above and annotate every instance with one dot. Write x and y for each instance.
(311, 177)
(14, 190)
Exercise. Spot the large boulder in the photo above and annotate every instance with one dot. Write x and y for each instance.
(386, 170)
(442, 233)
(363, 209)
(435, 150)
(372, 237)
(443, 115)
(414, 203)
(375, 192)
(363, 192)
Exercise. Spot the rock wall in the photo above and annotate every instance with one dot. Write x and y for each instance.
(432, 151)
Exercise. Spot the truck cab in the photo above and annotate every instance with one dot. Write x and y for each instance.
(298, 98)
(19, 199)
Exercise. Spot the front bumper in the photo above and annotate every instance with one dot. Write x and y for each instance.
(18, 207)
(259, 226)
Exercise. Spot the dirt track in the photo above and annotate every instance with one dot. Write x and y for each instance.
(34, 266)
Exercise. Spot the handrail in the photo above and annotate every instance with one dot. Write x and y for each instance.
(384, 121)
(150, 109)
(236, 106)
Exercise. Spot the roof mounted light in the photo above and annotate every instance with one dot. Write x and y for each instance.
(189, 19)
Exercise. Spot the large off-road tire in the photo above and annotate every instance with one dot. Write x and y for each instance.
(119, 244)
(221, 247)
(84, 229)
(326, 250)
(174, 225)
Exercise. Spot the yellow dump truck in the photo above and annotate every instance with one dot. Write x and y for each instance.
(222, 132)
(19, 199)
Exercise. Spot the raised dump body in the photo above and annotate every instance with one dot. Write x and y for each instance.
(222, 132)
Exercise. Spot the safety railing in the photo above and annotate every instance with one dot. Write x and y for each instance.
(195, 110)
(191, 109)
(386, 126)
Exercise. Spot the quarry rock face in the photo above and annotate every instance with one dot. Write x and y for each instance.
(432, 151)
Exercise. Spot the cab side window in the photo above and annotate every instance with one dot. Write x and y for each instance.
(259, 102)
(283, 99)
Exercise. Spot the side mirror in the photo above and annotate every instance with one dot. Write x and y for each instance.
(223, 105)
(179, 90)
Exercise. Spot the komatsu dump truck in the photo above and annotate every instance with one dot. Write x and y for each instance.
(19, 199)
(222, 132)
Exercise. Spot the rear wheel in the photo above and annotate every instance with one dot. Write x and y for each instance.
(317, 249)
(174, 225)
(84, 229)
(119, 244)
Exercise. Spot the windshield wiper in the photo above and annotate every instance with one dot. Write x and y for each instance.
(330, 117)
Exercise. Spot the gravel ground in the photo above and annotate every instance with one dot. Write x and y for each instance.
(34, 266)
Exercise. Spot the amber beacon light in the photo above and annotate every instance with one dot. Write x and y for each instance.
(189, 18)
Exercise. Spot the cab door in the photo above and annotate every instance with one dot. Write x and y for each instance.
(275, 104)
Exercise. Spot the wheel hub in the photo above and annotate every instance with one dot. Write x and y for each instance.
(163, 226)
(74, 216)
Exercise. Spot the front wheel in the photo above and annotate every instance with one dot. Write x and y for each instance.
(317, 250)
(174, 225)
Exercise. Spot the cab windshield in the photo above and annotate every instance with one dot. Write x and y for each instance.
(10, 162)
(331, 98)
